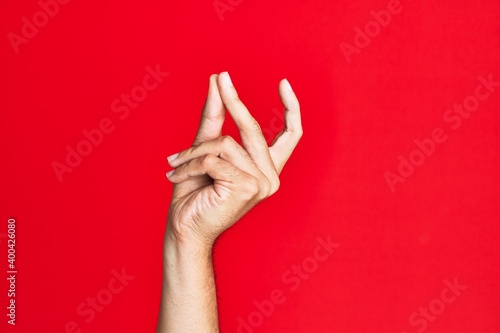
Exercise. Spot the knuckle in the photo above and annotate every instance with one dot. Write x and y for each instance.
(265, 189)
(275, 185)
(226, 141)
(188, 152)
(295, 106)
(182, 168)
(234, 100)
(296, 131)
(254, 125)
(208, 160)
(300, 132)
(251, 187)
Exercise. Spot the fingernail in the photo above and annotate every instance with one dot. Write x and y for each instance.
(287, 85)
(227, 79)
(169, 174)
(172, 157)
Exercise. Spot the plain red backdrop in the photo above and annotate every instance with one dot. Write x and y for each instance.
(396, 248)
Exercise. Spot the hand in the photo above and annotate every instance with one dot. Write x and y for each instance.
(217, 181)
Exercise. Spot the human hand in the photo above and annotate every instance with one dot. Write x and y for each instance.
(217, 181)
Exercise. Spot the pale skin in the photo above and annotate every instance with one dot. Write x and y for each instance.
(216, 182)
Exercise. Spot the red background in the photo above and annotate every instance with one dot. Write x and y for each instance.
(109, 213)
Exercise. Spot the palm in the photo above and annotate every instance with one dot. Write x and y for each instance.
(197, 205)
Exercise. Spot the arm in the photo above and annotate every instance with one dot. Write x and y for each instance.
(216, 182)
(188, 298)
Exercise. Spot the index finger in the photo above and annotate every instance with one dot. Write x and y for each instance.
(213, 114)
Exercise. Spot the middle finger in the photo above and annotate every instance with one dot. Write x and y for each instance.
(251, 134)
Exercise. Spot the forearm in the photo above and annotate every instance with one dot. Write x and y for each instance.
(188, 301)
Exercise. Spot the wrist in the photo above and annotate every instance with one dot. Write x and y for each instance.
(187, 264)
(180, 247)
